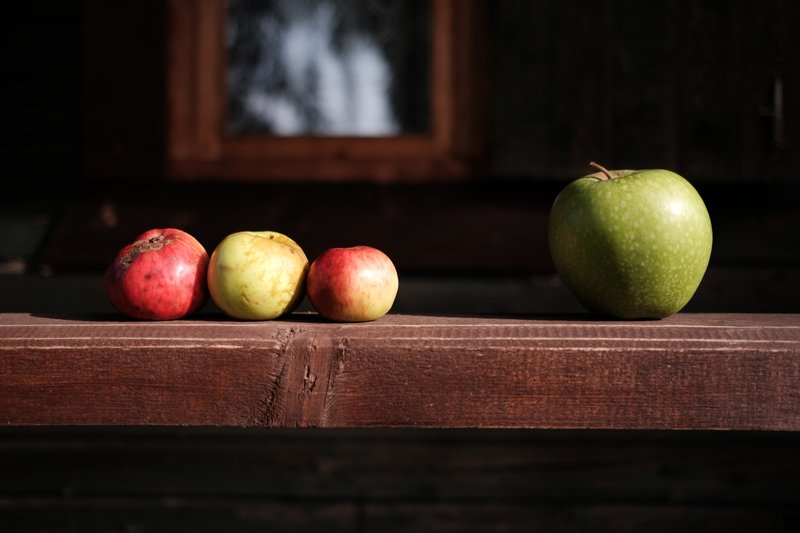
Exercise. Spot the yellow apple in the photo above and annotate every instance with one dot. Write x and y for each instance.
(257, 275)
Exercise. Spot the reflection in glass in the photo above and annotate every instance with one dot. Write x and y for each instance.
(328, 67)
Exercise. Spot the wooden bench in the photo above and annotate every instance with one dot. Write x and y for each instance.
(690, 371)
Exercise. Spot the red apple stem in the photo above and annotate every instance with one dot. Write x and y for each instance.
(606, 174)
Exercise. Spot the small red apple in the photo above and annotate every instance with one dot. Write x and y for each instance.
(352, 284)
(160, 276)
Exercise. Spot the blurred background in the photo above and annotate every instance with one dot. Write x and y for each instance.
(439, 131)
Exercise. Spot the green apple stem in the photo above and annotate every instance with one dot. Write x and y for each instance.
(606, 174)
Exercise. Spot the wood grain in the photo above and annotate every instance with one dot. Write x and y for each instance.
(691, 371)
(222, 479)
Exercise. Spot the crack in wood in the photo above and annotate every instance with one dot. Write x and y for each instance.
(310, 380)
(338, 361)
(304, 360)
(313, 360)
(273, 405)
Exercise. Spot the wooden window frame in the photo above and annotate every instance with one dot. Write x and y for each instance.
(199, 149)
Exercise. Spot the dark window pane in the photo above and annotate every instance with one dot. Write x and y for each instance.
(328, 67)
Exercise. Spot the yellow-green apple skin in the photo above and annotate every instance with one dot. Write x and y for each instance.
(257, 275)
(633, 246)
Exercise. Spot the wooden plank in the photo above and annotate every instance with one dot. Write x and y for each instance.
(401, 465)
(483, 517)
(444, 229)
(212, 479)
(175, 514)
(423, 228)
(691, 371)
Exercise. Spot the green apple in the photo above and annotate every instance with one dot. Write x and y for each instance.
(630, 243)
(257, 275)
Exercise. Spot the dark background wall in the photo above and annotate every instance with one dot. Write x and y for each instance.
(704, 88)
(683, 85)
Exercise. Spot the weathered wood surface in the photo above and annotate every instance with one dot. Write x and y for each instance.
(356, 480)
(690, 371)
